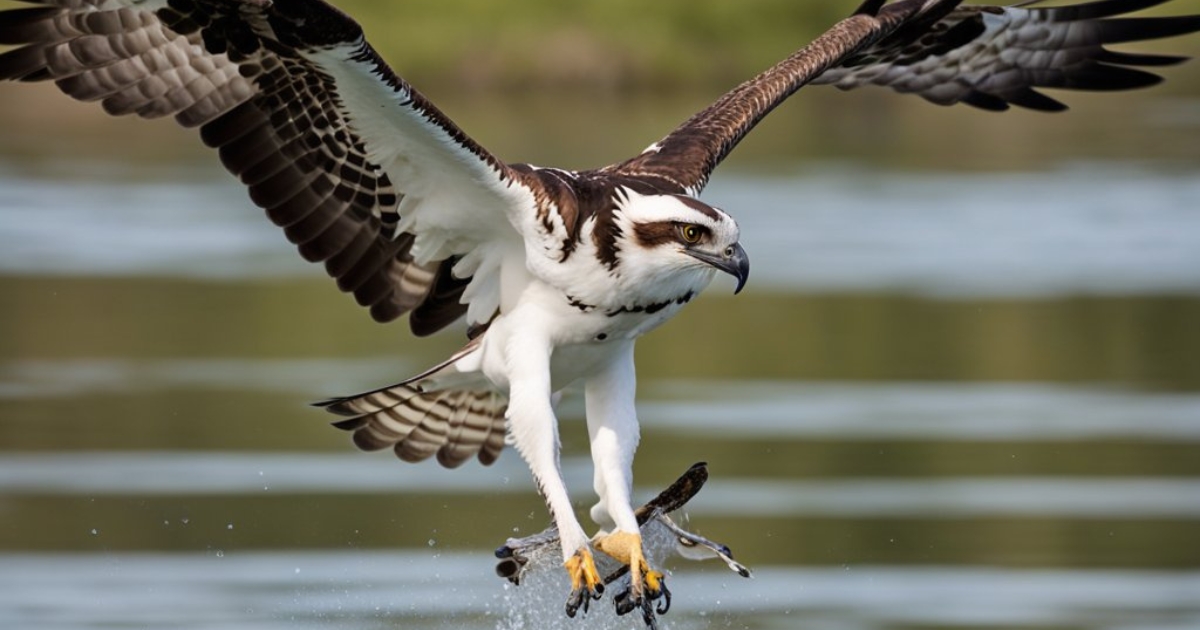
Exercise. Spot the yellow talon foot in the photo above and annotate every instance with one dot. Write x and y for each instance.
(645, 584)
(586, 584)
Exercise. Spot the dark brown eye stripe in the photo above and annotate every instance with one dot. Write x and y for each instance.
(656, 233)
(662, 232)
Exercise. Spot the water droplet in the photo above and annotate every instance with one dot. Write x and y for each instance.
(220, 554)
(431, 542)
(185, 520)
(297, 571)
(229, 526)
(95, 531)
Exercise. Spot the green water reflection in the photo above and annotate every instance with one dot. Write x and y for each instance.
(1146, 343)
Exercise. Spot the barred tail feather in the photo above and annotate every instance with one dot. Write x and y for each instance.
(453, 424)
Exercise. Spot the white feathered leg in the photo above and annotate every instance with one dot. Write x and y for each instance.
(533, 428)
(613, 426)
(613, 429)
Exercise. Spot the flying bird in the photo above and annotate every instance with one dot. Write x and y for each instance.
(557, 272)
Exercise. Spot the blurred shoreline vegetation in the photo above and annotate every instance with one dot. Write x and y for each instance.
(610, 45)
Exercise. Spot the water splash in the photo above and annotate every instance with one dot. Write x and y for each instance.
(540, 599)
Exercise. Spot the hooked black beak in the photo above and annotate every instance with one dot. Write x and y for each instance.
(732, 261)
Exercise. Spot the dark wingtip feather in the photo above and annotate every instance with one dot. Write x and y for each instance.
(1032, 99)
(22, 64)
(1137, 59)
(337, 406)
(21, 26)
(986, 101)
(1116, 31)
(1102, 77)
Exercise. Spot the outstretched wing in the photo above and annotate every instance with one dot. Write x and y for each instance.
(995, 57)
(987, 56)
(331, 143)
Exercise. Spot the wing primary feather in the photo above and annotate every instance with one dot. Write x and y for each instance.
(273, 86)
(1106, 78)
(984, 101)
(31, 24)
(1030, 98)
(1137, 59)
(1121, 30)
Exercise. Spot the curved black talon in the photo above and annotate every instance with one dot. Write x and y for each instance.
(625, 603)
(575, 600)
(582, 598)
(665, 594)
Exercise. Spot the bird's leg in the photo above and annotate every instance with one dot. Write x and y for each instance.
(613, 429)
(586, 584)
(533, 428)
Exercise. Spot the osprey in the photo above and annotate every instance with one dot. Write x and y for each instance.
(557, 272)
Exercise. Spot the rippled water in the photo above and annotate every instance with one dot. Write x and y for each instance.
(1007, 234)
(437, 590)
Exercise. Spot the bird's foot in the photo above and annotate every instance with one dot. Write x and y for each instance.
(645, 584)
(586, 584)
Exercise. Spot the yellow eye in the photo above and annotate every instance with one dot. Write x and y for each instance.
(690, 233)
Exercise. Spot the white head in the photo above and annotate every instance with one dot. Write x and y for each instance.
(677, 240)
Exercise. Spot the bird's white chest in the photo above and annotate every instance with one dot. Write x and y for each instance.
(577, 340)
(596, 325)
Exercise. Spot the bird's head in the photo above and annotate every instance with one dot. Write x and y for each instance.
(677, 239)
